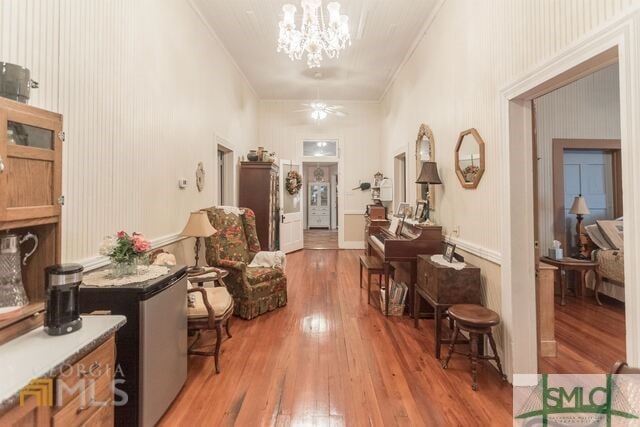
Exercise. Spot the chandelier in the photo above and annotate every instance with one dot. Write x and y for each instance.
(314, 36)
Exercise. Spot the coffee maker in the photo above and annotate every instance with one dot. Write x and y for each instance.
(63, 307)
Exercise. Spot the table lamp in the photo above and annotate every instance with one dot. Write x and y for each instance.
(198, 226)
(580, 209)
(428, 175)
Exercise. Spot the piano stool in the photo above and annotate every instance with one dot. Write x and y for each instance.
(477, 321)
(373, 265)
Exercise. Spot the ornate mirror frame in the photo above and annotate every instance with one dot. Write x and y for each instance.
(478, 175)
(425, 132)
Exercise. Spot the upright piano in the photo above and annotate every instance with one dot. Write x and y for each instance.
(414, 239)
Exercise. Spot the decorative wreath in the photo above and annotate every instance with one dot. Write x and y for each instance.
(294, 182)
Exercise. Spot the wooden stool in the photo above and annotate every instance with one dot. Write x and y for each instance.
(373, 266)
(477, 321)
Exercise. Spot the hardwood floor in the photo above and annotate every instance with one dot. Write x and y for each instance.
(321, 239)
(590, 337)
(329, 358)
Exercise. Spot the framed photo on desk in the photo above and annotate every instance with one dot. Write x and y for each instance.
(449, 249)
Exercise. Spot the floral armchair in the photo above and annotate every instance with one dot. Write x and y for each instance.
(255, 290)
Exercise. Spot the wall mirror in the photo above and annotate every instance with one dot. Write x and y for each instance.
(469, 158)
(425, 152)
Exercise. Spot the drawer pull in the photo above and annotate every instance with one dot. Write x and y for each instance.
(83, 408)
(94, 367)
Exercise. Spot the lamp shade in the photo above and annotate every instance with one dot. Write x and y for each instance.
(579, 206)
(198, 226)
(429, 174)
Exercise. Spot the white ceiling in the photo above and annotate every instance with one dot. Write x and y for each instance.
(382, 33)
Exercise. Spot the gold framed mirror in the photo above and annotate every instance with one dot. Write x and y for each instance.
(469, 158)
(425, 152)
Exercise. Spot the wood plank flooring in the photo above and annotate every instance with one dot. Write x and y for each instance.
(321, 239)
(328, 358)
(590, 337)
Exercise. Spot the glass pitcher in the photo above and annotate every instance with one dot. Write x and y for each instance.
(12, 293)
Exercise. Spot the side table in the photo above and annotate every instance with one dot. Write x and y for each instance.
(442, 286)
(216, 276)
(570, 264)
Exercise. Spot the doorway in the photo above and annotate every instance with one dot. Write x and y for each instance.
(517, 214)
(578, 177)
(224, 174)
(321, 220)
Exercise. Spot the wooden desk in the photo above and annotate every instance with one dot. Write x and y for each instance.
(442, 287)
(570, 264)
(545, 310)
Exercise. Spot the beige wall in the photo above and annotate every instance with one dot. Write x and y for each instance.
(144, 91)
(452, 82)
(283, 131)
(588, 108)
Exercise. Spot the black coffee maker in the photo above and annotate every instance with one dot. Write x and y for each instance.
(63, 289)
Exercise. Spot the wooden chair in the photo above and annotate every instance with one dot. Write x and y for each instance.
(212, 308)
(477, 321)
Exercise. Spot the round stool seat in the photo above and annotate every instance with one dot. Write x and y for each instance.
(474, 315)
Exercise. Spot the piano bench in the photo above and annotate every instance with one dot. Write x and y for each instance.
(373, 265)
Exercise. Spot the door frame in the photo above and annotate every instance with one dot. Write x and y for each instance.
(333, 159)
(615, 41)
(559, 146)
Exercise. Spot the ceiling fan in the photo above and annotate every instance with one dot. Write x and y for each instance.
(320, 110)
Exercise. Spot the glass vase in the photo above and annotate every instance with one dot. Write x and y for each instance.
(124, 268)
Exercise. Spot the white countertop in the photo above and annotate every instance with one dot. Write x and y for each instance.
(36, 354)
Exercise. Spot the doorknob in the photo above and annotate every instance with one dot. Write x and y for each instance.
(282, 218)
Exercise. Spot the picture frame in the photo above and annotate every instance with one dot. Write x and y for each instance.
(448, 251)
(420, 214)
(402, 209)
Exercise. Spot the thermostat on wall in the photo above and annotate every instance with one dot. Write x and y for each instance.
(183, 183)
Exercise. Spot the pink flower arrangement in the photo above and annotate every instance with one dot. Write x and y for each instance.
(140, 244)
(123, 248)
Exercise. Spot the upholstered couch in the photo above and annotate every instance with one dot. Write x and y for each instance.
(255, 290)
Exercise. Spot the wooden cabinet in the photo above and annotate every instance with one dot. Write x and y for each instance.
(442, 286)
(319, 205)
(82, 395)
(259, 191)
(31, 156)
(30, 197)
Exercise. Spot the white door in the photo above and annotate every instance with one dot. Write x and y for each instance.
(291, 210)
(587, 172)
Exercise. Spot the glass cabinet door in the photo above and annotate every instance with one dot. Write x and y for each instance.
(324, 196)
(30, 162)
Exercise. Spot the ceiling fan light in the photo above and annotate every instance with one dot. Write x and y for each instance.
(318, 114)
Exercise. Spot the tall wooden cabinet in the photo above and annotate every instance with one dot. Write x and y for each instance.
(259, 191)
(30, 197)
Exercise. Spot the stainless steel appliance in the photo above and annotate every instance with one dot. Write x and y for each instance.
(63, 308)
(151, 347)
(15, 82)
(12, 293)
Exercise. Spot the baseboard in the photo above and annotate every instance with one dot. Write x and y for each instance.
(96, 262)
(352, 245)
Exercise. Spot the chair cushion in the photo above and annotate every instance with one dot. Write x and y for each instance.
(256, 275)
(218, 298)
